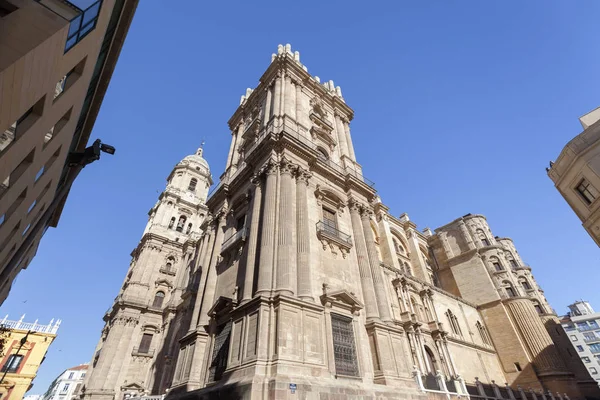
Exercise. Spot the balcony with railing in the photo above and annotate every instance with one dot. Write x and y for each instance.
(591, 339)
(232, 240)
(586, 328)
(52, 327)
(137, 351)
(328, 234)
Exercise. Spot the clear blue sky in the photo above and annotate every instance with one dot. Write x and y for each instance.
(459, 107)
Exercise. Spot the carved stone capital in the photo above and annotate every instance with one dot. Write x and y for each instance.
(366, 212)
(271, 167)
(286, 167)
(302, 175)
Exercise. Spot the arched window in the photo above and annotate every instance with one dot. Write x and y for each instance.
(407, 269)
(159, 297)
(453, 321)
(430, 360)
(483, 333)
(398, 247)
(434, 279)
(525, 283)
(189, 228)
(496, 264)
(511, 260)
(510, 290)
(168, 266)
(322, 154)
(171, 223)
(538, 307)
(482, 237)
(192, 185)
(181, 223)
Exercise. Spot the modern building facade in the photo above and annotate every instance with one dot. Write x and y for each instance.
(576, 173)
(300, 283)
(56, 60)
(582, 325)
(24, 351)
(67, 384)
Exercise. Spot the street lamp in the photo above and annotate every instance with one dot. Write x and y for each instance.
(76, 161)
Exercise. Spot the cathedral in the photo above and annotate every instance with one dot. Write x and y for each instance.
(291, 279)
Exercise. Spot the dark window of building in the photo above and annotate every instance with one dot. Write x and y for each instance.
(482, 237)
(322, 154)
(6, 8)
(538, 308)
(71, 375)
(593, 370)
(181, 223)
(526, 285)
(159, 297)
(579, 348)
(192, 185)
(513, 264)
(454, 325)
(145, 343)
(587, 192)
(220, 353)
(483, 333)
(83, 24)
(586, 359)
(329, 221)
(12, 364)
(240, 223)
(189, 228)
(510, 291)
(171, 223)
(343, 346)
(498, 266)
(518, 366)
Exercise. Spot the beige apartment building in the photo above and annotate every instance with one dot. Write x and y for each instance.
(293, 280)
(56, 60)
(576, 173)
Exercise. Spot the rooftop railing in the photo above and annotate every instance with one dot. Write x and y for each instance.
(52, 327)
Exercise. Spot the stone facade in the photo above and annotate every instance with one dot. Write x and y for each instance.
(576, 173)
(303, 285)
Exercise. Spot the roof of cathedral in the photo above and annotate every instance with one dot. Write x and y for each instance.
(197, 158)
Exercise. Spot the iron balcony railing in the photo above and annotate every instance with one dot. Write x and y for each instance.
(233, 239)
(142, 352)
(587, 328)
(591, 340)
(333, 232)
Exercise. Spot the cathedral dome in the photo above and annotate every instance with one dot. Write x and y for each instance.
(196, 159)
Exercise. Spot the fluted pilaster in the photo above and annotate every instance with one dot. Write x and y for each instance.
(366, 277)
(349, 140)
(268, 108)
(341, 135)
(252, 240)
(302, 236)
(286, 256)
(211, 277)
(238, 140)
(205, 255)
(277, 96)
(466, 234)
(267, 237)
(382, 303)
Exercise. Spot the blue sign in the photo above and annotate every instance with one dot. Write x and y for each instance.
(293, 388)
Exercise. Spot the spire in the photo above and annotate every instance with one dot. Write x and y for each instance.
(200, 149)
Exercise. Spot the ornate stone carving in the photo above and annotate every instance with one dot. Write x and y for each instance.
(329, 198)
(286, 167)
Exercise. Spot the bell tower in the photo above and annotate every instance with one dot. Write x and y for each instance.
(132, 347)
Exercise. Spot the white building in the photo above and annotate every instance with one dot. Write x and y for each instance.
(33, 397)
(582, 325)
(67, 384)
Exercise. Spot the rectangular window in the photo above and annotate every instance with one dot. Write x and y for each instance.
(518, 367)
(593, 370)
(485, 242)
(329, 221)
(220, 353)
(513, 264)
(71, 375)
(145, 343)
(538, 308)
(26, 230)
(589, 336)
(2, 218)
(12, 364)
(593, 324)
(510, 291)
(579, 348)
(587, 192)
(344, 349)
(39, 173)
(57, 128)
(69, 79)
(241, 222)
(32, 206)
(594, 347)
(65, 388)
(497, 266)
(83, 24)
(585, 359)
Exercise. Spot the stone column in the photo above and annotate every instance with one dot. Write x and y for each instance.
(286, 256)
(238, 141)
(107, 354)
(449, 357)
(446, 245)
(277, 95)
(366, 278)
(298, 98)
(414, 348)
(349, 140)
(290, 97)
(282, 90)
(267, 237)
(252, 240)
(303, 236)
(203, 264)
(122, 348)
(380, 292)
(341, 135)
(211, 273)
(267, 107)
(466, 234)
(231, 147)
